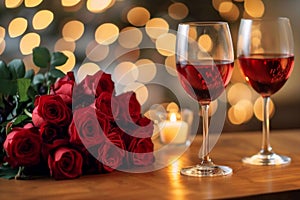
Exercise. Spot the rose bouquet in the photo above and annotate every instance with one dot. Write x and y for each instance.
(80, 128)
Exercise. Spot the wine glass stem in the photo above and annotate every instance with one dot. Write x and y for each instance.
(266, 147)
(205, 144)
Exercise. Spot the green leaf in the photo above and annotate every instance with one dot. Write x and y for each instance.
(29, 74)
(56, 73)
(19, 119)
(8, 87)
(41, 57)
(57, 59)
(37, 79)
(8, 128)
(7, 172)
(23, 85)
(31, 92)
(2, 105)
(16, 68)
(4, 71)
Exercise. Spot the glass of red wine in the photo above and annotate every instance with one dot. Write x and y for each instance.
(265, 51)
(204, 62)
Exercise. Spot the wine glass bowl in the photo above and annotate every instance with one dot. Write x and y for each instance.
(204, 62)
(265, 51)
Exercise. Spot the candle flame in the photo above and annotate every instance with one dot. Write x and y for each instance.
(173, 117)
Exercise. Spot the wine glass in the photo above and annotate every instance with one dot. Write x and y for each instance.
(265, 52)
(204, 62)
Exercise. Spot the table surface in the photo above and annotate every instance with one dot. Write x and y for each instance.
(167, 183)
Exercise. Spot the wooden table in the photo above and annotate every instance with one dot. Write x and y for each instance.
(247, 182)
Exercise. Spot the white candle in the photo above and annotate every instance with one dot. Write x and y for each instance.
(173, 131)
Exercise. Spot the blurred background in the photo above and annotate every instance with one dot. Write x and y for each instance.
(134, 40)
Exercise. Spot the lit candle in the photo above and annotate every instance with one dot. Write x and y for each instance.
(173, 131)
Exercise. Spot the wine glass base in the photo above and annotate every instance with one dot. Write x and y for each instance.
(206, 171)
(267, 159)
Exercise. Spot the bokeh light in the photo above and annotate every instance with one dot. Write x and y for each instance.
(165, 44)
(170, 64)
(64, 45)
(241, 112)
(229, 11)
(28, 42)
(147, 70)
(205, 42)
(258, 108)
(2, 46)
(254, 8)
(69, 3)
(2, 33)
(73, 30)
(237, 74)
(42, 19)
(125, 73)
(106, 33)
(237, 92)
(70, 64)
(213, 106)
(96, 6)
(130, 37)
(87, 69)
(13, 3)
(138, 16)
(216, 3)
(32, 3)
(140, 90)
(96, 52)
(178, 11)
(156, 27)
(192, 34)
(17, 27)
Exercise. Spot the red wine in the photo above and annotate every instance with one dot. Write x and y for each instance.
(267, 73)
(205, 81)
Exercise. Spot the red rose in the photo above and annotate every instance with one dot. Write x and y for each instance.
(104, 83)
(107, 105)
(50, 132)
(141, 151)
(65, 163)
(51, 109)
(86, 128)
(23, 147)
(64, 88)
(28, 125)
(91, 87)
(130, 108)
(111, 154)
(90, 164)
(97, 83)
(143, 128)
(48, 148)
